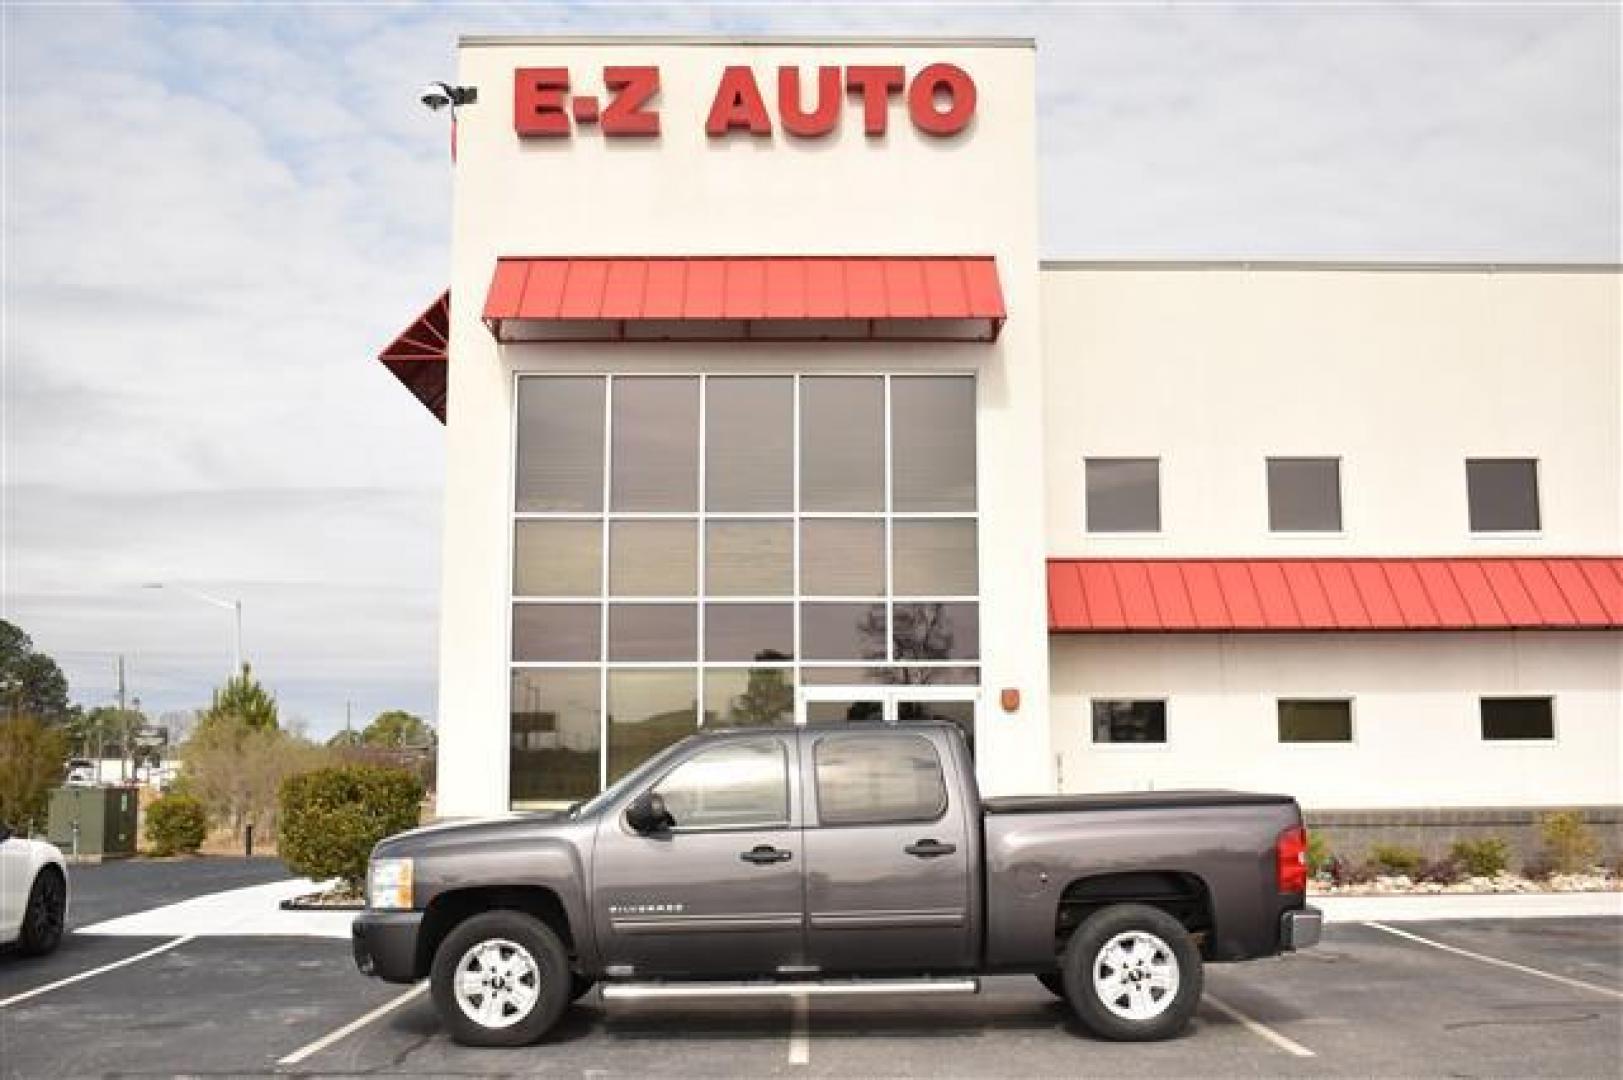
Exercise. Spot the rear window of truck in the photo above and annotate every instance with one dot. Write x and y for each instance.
(878, 779)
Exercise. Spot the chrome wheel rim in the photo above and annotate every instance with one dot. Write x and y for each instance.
(1135, 975)
(497, 983)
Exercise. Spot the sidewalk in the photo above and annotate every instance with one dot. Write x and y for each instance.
(1469, 906)
(248, 912)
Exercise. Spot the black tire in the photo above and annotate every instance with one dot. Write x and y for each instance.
(1054, 983)
(46, 915)
(580, 985)
(552, 978)
(1158, 944)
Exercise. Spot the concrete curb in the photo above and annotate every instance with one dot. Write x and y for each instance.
(1440, 906)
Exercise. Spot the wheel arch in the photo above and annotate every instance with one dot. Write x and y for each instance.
(449, 909)
(1184, 895)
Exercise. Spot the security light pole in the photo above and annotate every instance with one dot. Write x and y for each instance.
(234, 606)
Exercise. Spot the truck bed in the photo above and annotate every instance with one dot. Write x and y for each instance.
(1127, 800)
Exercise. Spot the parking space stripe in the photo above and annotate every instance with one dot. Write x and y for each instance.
(1496, 962)
(353, 1026)
(93, 972)
(1258, 1028)
(800, 1031)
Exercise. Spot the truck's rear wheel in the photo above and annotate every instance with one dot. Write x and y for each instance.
(1132, 973)
(500, 979)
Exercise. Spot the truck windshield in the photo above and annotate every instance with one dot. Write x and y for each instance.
(630, 780)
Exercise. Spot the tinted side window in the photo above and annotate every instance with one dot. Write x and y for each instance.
(1518, 718)
(1502, 494)
(741, 783)
(874, 779)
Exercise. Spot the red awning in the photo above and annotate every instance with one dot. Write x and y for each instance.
(418, 357)
(780, 298)
(1194, 595)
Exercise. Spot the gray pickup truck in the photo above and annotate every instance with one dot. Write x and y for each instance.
(834, 860)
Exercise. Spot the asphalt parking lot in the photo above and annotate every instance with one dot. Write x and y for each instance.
(1367, 1002)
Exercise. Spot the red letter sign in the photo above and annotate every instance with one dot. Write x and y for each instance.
(738, 104)
(960, 92)
(876, 84)
(824, 117)
(538, 101)
(624, 114)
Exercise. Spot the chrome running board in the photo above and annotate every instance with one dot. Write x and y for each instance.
(647, 991)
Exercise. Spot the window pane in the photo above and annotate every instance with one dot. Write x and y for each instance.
(648, 711)
(749, 558)
(1315, 721)
(654, 632)
(653, 558)
(842, 444)
(856, 711)
(950, 631)
(874, 778)
(934, 558)
(749, 632)
(1518, 718)
(1124, 494)
(961, 713)
(749, 453)
(558, 558)
(749, 697)
(554, 735)
(842, 557)
(932, 448)
(1304, 494)
(842, 631)
(890, 676)
(556, 631)
(656, 444)
(1503, 494)
(1129, 721)
(745, 783)
(560, 444)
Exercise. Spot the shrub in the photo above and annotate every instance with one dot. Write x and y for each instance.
(331, 818)
(1441, 871)
(176, 824)
(1569, 843)
(1486, 857)
(1395, 859)
(1346, 872)
(1318, 854)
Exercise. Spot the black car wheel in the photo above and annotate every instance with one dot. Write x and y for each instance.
(46, 914)
(1133, 974)
(500, 979)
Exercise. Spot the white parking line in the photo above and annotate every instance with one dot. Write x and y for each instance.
(353, 1026)
(800, 1031)
(83, 975)
(1258, 1028)
(1495, 961)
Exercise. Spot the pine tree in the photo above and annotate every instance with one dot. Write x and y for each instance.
(242, 698)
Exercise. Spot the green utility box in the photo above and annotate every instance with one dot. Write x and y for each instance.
(105, 816)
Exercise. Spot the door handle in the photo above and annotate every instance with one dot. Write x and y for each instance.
(930, 849)
(762, 854)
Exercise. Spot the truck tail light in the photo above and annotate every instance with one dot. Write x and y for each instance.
(1290, 860)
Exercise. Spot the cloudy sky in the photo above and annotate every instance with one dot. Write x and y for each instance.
(215, 216)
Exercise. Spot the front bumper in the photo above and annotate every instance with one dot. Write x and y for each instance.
(385, 944)
(1300, 929)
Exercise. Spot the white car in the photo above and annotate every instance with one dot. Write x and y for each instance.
(33, 894)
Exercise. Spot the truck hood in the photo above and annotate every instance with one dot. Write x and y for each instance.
(470, 831)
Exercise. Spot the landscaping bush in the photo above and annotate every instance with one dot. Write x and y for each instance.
(1345, 872)
(1395, 859)
(176, 824)
(332, 818)
(1318, 854)
(1441, 871)
(1487, 857)
(1568, 842)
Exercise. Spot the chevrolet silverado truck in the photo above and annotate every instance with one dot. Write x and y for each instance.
(834, 860)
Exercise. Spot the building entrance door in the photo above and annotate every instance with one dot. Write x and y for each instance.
(889, 705)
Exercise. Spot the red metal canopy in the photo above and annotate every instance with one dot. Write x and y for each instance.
(418, 357)
(1177, 595)
(781, 298)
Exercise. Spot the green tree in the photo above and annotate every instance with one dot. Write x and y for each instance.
(244, 699)
(347, 737)
(30, 681)
(396, 727)
(32, 754)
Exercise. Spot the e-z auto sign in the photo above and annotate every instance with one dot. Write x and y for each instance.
(940, 100)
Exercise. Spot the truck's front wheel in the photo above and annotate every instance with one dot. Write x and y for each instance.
(500, 979)
(1132, 973)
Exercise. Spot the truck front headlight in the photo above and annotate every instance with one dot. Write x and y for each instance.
(388, 884)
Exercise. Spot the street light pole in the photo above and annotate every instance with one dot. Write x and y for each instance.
(234, 606)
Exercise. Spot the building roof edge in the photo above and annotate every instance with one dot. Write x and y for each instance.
(1368, 266)
(495, 40)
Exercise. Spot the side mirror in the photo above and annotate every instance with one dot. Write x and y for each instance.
(647, 814)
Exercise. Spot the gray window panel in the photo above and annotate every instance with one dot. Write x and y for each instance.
(558, 558)
(842, 631)
(749, 558)
(842, 557)
(653, 632)
(560, 444)
(740, 784)
(764, 632)
(554, 735)
(853, 711)
(1129, 721)
(842, 443)
(1124, 494)
(655, 460)
(749, 446)
(934, 558)
(749, 697)
(932, 443)
(557, 631)
(653, 558)
(936, 631)
(648, 711)
(1315, 720)
(890, 676)
(1304, 494)
(874, 779)
(1510, 719)
(1503, 494)
(961, 713)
